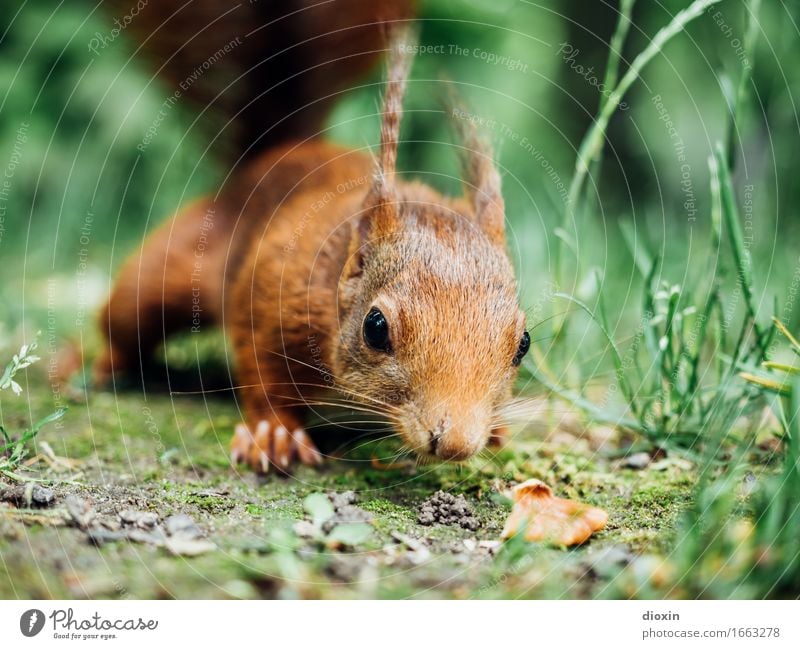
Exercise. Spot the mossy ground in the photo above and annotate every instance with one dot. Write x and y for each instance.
(170, 454)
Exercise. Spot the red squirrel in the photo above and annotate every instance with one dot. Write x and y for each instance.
(339, 283)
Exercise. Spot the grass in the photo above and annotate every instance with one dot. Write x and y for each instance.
(766, 378)
(14, 450)
(678, 378)
(592, 144)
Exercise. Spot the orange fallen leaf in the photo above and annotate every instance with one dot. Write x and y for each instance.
(545, 517)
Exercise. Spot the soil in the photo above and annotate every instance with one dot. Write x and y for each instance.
(447, 509)
(142, 502)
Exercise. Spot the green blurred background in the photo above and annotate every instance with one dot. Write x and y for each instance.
(79, 196)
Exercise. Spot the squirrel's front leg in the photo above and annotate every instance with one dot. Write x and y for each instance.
(272, 433)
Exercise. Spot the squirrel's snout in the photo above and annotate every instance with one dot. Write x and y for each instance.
(455, 442)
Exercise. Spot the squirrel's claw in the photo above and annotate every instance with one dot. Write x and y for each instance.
(306, 450)
(272, 444)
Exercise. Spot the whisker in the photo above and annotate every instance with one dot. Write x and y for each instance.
(333, 386)
(212, 390)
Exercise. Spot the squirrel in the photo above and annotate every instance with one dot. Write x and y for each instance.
(337, 282)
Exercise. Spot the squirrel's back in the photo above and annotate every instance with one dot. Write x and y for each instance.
(263, 76)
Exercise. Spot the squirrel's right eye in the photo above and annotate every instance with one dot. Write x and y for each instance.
(376, 331)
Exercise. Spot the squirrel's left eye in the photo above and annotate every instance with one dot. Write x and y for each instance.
(524, 346)
(376, 331)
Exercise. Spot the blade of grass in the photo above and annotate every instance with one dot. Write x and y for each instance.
(747, 72)
(782, 367)
(741, 254)
(615, 49)
(596, 413)
(765, 382)
(639, 253)
(792, 340)
(594, 137)
(593, 140)
(622, 379)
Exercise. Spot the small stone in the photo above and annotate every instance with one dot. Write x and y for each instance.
(154, 537)
(30, 495)
(111, 524)
(182, 525)
(346, 514)
(80, 511)
(343, 499)
(637, 461)
(145, 520)
(42, 497)
(304, 529)
(180, 545)
(609, 560)
(100, 536)
(490, 546)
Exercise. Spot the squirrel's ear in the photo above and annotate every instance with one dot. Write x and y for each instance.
(480, 176)
(381, 218)
(483, 189)
(376, 221)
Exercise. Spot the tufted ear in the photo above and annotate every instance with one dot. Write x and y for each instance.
(380, 216)
(381, 200)
(480, 176)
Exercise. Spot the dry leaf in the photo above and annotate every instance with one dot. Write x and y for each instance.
(547, 518)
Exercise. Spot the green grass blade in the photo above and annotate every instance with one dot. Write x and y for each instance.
(741, 254)
(639, 253)
(593, 140)
(750, 37)
(617, 44)
(594, 137)
(622, 379)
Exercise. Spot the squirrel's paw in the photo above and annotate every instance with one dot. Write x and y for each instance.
(272, 444)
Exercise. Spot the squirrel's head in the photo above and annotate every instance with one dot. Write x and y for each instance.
(431, 331)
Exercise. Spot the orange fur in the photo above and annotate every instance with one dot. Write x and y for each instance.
(311, 238)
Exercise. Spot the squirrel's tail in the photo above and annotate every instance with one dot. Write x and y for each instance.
(261, 71)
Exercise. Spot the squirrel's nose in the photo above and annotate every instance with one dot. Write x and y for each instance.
(450, 442)
(436, 434)
(454, 448)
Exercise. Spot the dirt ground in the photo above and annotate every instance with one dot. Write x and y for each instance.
(142, 502)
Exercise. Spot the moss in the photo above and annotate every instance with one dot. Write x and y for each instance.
(173, 457)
